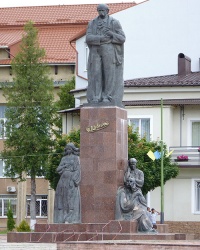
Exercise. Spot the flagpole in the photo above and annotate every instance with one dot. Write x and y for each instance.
(162, 179)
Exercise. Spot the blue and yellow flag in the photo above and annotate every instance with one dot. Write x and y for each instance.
(151, 155)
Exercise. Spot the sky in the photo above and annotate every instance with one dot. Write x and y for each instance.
(19, 3)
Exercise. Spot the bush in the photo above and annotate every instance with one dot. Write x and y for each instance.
(23, 227)
(10, 220)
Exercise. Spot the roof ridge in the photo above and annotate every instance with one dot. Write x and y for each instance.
(60, 5)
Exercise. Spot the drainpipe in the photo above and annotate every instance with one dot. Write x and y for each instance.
(181, 123)
(181, 126)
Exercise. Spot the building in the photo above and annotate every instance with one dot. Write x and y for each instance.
(57, 25)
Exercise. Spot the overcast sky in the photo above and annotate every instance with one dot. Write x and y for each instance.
(16, 3)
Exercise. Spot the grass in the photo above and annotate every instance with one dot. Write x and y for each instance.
(4, 231)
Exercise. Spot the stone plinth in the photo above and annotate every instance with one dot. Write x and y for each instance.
(113, 230)
(103, 157)
(127, 227)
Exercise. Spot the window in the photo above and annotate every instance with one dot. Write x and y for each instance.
(2, 166)
(2, 121)
(196, 196)
(56, 69)
(4, 204)
(41, 205)
(195, 133)
(142, 125)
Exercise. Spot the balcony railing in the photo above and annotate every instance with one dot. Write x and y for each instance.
(190, 151)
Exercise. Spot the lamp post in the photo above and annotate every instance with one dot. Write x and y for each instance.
(162, 176)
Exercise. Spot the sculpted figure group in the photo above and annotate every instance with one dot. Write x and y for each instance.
(105, 39)
(130, 202)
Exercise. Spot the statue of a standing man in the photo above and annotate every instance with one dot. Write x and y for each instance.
(105, 39)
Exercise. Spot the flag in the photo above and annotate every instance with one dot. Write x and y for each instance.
(167, 155)
(151, 155)
(157, 155)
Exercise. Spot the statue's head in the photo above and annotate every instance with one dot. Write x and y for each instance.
(70, 149)
(132, 163)
(102, 10)
(130, 183)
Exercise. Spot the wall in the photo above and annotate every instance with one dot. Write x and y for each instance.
(5, 74)
(190, 227)
(178, 199)
(154, 112)
(65, 72)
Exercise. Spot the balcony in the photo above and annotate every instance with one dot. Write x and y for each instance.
(192, 153)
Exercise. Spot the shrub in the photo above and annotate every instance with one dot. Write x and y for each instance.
(10, 220)
(23, 227)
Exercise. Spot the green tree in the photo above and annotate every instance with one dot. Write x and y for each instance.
(10, 220)
(138, 148)
(66, 101)
(54, 159)
(30, 113)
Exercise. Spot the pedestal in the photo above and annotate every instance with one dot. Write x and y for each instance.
(103, 157)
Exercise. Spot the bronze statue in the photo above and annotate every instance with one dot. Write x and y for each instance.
(67, 196)
(105, 39)
(130, 202)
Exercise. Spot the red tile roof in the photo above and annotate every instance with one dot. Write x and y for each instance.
(56, 14)
(57, 26)
(55, 41)
(10, 36)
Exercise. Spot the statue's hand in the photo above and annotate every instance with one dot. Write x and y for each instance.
(132, 179)
(104, 39)
(108, 33)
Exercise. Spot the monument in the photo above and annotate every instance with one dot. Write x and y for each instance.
(103, 156)
(103, 121)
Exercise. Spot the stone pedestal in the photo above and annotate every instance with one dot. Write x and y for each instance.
(103, 157)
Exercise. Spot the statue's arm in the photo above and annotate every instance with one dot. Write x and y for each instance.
(126, 205)
(92, 39)
(118, 34)
(140, 180)
(77, 174)
(60, 166)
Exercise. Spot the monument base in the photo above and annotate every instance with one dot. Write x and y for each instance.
(103, 158)
(113, 230)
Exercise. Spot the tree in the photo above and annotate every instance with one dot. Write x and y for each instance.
(66, 101)
(30, 112)
(137, 148)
